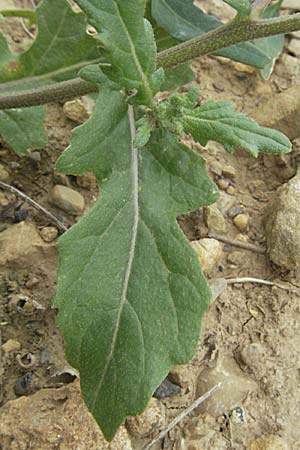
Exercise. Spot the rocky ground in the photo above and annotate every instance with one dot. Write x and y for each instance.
(250, 337)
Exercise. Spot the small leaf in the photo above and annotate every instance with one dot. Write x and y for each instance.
(128, 42)
(221, 123)
(184, 21)
(130, 291)
(23, 129)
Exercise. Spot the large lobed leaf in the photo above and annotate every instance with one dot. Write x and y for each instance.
(128, 41)
(61, 47)
(130, 290)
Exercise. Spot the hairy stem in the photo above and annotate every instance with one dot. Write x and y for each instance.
(234, 32)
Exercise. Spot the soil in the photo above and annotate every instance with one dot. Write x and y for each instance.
(250, 334)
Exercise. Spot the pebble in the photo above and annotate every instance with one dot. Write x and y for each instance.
(214, 219)
(251, 355)
(48, 234)
(11, 346)
(223, 184)
(234, 211)
(225, 202)
(152, 419)
(87, 181)
(167, 389)
(216, 168)
(35, 156)
(23, 385)
(76, 110)
(282, 225)
(237, 415)
(294, 47)
(241, 221)
(209, 252)
(3, 199)
(231, 190)
(32, 282)
(269, 442)
(67, 199)
(229, 171)
(4, 175)
(235, 386)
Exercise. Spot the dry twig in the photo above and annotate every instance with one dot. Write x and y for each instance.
(182, 416)
(36, 205)
(236, 243)
(259, 281)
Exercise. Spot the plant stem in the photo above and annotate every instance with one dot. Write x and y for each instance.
(26, 13)
(234, 32)
(53, 93)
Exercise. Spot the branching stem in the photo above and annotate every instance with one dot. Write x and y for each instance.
(234, 32)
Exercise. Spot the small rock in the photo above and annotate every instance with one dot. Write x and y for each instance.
(67, 199)
(24, 305)
(32, 282)
(22, 246)
(11, 346)
(223, 184)
(269, 442)
(235, 385)
(76, 110)
(294, 47)
(61, 178)
(214, 219)
(252, 355)
(229, 171)
(48, 234)
(152, 419)
(216, 168)
(87, 181)
(4, 175)
(35, 156)
(23, 385)
(231, 190)
(209, 252)
(282, 224)
(225, 202)
(167, 389)
(3, 199)
(241, 221)
(234, 211)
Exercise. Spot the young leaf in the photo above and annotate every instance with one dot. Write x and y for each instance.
(177, 76)
(23, 129)
(128, 41)
(130, 290)
(183, 20)
(221, 123)
(243, 7)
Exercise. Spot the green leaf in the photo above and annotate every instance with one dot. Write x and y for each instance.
(271, 46)
(130, 290)
(23, 129)
(177, 76)
(221, 123)
(128, 41)
(60, 49)
(243, 7)
(184, 21)
(5, 54)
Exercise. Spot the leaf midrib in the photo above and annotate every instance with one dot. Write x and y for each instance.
(134, 231)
